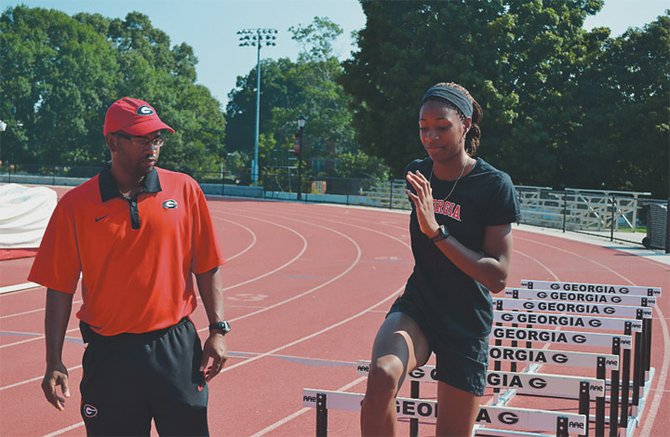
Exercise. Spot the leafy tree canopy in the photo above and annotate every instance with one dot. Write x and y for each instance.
(60, 73)
(536, 72)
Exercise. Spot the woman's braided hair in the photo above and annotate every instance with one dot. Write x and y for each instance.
(474, 134)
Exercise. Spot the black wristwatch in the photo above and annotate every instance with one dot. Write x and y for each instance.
(222, 326)
(442, 234)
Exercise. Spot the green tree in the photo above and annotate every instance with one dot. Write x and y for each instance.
(360, 165)
(625, 99)
(58, 75)
(517, 57)
(548, 52)
(165, 76)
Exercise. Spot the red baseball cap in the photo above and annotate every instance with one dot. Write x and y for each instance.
(134, 117)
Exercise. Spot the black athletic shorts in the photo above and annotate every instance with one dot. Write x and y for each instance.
(130, 379)
(461, 362)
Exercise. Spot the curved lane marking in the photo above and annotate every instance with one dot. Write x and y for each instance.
(311, 290)
(291, 261)
(246, 249)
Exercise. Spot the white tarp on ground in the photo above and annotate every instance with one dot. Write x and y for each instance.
(24, 214)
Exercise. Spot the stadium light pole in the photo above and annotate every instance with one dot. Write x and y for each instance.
(3, 128)
(298, 150)
(257, 38)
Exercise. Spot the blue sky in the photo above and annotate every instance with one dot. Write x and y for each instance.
(210, 26)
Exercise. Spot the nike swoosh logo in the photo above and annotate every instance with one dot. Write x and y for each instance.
(97, 219)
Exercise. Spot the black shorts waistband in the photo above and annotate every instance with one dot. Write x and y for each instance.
(89, 335)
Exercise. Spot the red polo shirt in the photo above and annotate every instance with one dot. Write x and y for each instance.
(135, 256)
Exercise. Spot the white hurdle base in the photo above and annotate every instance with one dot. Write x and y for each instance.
(490, 432)
(426, 411)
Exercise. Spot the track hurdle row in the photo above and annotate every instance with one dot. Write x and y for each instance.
(617, 308)
(425, 411)
(602, 307)
(558, 423)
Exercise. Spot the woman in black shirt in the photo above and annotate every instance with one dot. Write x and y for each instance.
(460, 227)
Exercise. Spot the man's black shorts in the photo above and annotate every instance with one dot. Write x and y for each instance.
(130, 379)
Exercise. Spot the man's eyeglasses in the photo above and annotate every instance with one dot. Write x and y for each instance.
(142, 141)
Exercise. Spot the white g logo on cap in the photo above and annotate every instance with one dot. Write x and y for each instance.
(144, 110)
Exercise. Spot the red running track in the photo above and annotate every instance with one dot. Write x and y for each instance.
(306, 288)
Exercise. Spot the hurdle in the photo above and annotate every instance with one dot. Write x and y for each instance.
(642, 353)
(548, 385)
(635, 290)
(505, 419)
(567, 307)
(580, 338)
(641, 296)
(640, 299)
(616, 342)
(650, 292)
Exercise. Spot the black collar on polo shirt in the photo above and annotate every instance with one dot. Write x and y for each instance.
(109, 189)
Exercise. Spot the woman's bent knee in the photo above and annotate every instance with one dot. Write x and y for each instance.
(385, 377)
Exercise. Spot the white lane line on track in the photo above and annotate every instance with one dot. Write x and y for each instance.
(314, 334)
(37, 378)
(21, 314)
(39, 337)
(291, 261)
(246, 249)
(662, 378)
(298, 413)
(538, 263)
(233, 354)
(298, 359)
(663, 374)
(64, 430)
(18, 287)
(30, 311)
(311, 290)
(376, 231)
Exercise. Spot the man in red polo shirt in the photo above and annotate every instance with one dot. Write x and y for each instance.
(135, 233)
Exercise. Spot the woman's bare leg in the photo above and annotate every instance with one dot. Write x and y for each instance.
(457, 411)
(399, 348)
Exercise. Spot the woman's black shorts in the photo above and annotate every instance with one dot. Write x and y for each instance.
(461, 362)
